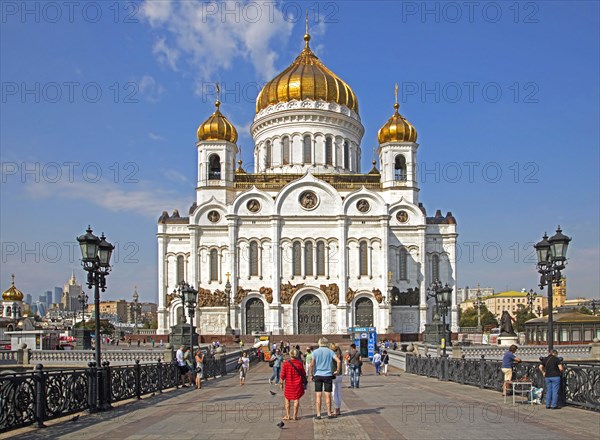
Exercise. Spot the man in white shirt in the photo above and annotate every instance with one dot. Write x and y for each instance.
(183, 368)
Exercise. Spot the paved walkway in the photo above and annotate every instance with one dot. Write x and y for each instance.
(400, 406)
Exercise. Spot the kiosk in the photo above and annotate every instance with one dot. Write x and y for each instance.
(365, 339)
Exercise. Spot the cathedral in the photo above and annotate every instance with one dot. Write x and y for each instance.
(306, 243)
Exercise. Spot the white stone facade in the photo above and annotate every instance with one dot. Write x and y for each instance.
(294, 233)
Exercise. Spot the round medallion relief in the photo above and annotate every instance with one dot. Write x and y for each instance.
(402, 216)
(214, 216)
(253, 205)
(362, 205)
(308, 200)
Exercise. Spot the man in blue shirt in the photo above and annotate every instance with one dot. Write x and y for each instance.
(508, 360)
(322, 375)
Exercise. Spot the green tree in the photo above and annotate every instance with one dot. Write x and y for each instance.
(106, 328)
(523, 314)
(468, 318)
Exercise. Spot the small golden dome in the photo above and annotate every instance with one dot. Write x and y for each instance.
(397, 129)
(217, 128)
(306, 78)
(12, 293)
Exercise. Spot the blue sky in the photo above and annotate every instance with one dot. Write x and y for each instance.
(100, 105)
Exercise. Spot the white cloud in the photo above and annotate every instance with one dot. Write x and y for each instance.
(176, 176)
(149, 89)
(155, 137)
(211, 36)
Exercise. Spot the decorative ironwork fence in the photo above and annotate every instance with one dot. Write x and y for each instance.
(36, 396)
(580, 381)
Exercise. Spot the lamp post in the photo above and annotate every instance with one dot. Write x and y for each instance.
(441, 294)
(552, 258)
(83, 299)
(539, 310)
(189, 297)
(96, 253)
(228, 329)
(135, 306)
(478, 304)
(530, 297)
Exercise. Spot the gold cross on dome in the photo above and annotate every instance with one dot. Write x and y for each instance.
(227, 275)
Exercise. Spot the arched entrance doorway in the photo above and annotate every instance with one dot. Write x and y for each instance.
(255, 316)
(309, 315)
(363, 313)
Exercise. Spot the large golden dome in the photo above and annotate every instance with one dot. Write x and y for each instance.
(397, 129)
(12, 293)
(217, 128)
(306, 78)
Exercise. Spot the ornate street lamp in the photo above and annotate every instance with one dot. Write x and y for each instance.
(135, 309)
(83, 299)
(189, 297)
(95, 259)
(478, 304)
(431, 293)
(530, 297)
(228, 329)
(441, 294)
(552, 258)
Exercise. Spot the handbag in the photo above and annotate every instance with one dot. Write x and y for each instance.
(303, 376)
(271, 363)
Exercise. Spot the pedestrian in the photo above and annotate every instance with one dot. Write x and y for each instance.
(385, 360)
(244, 363)
(199, 368)
(307, 358)
(508, 361)
(153, 342)
(377, 362)
(355, 362)
(160, 344)
(552, 368)
(187, 356)
(138, 342)
(346, 364)
(300, 354)
(181, 364)
(337, 379)
(277, 361)
(320, 371)
(293, 377)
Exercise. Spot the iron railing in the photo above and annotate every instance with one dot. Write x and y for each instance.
(580, 381)
(36, 396)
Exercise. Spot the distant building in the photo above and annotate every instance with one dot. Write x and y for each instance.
(28, 298)
(49, 299)
(118, 309)
(57, 295)
(569, 328)
(70, 295)
(509, 301)
(559, 293)
(465, 293)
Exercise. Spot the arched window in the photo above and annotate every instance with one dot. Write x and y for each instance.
(308, 258)
(307, 150)
(296, 259)
(180, 269)
(346, 155)
(328, 151)
(400, 168)
(214, 265)
(268, 154)
(363, 258)
(214, 167)
(253, 257)
(286, 151)
(403, 260)
(435, 267)
(320, 258)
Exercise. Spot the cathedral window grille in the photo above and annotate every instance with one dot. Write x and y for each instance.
(296, 259)
(320, 258)
(253, 257)
(180, 269)
(435, 267)
(346, 155)
(214, 167)
(307, 150)
(363, 258)
(328, 151)
(214, 265)
(308, 258)
(400, 168)
(286, 151)
(268, 154)
(402, 269)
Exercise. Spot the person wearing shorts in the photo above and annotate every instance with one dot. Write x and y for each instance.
(508, 360)
(322, 375)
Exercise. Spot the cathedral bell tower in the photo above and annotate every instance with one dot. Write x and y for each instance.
(398, 155)
(217, 151)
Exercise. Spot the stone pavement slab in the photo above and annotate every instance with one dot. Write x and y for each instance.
(399, 406)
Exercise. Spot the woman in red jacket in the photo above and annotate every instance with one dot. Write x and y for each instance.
(292, 372)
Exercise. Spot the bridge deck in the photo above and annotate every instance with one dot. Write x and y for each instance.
(394, 407)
